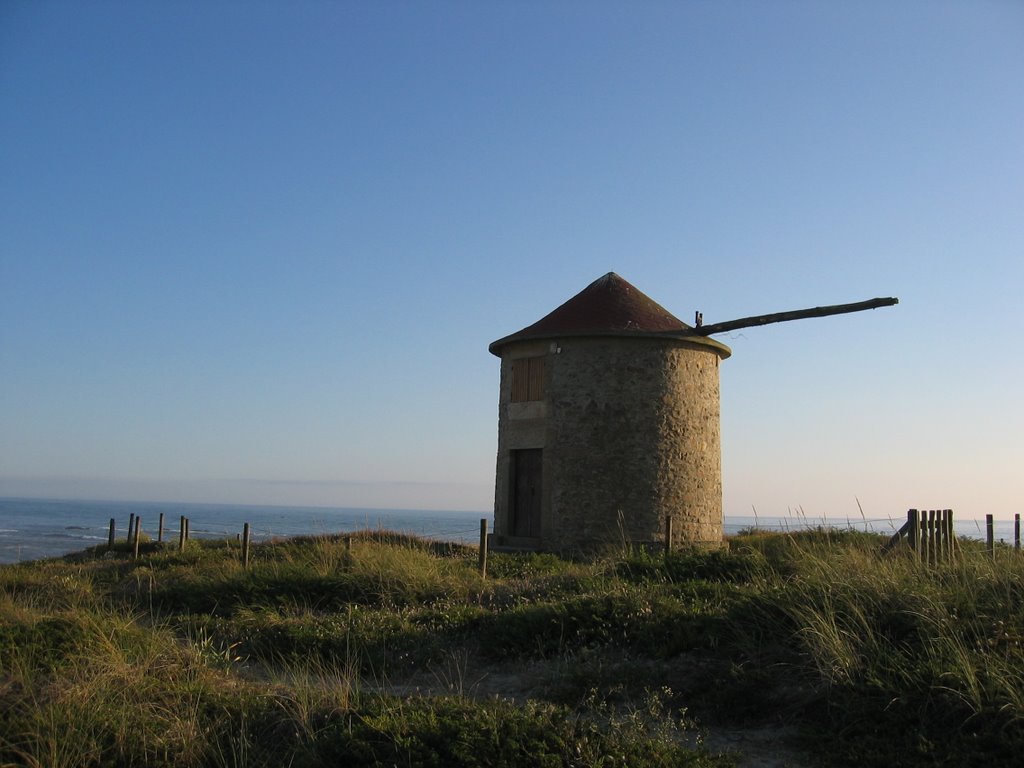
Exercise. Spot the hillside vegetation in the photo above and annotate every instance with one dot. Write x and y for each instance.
(398, 653)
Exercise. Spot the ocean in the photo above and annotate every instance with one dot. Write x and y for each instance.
(37, 528)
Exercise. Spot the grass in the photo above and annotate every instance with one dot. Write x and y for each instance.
(396, 652)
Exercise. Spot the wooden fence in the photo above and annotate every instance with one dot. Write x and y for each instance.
(245, 539)
(929, 533)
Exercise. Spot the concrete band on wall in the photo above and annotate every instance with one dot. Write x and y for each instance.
(630, 433)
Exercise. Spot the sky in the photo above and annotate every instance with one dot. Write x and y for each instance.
(255, 252)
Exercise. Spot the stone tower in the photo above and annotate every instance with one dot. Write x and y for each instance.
(608, 423)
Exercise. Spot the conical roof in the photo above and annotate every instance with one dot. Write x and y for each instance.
(609, 306)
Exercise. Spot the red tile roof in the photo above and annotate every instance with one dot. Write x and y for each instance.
(609, 306)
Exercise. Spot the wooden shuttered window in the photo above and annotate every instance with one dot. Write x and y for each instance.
(527, 379)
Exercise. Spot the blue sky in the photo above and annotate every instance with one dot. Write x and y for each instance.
(255, 252)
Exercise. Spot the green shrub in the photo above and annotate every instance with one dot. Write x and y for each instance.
(459, 732)
(187, 658)
(720, 565)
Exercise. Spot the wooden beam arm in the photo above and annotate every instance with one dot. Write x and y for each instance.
(797, 314)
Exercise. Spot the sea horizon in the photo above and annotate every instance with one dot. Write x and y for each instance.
(793, 514)
(39, 527)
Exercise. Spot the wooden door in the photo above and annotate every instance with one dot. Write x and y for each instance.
(525, 488)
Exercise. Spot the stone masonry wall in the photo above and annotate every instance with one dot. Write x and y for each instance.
(520, 425)
(633, 435)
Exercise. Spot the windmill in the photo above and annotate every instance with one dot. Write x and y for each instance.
(609, 422)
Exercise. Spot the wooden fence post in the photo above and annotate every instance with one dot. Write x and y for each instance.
(110, 536)
(925, 555)
(483, 548)
(668, 534)
(1016, 531)
(940, 531)
(131, 528)
(181, 534)
(135, 538)
(947, 520)
(160, 530)
(990, 538)
(930, 536)
(914, 531)
(187, 521)
(245, 545)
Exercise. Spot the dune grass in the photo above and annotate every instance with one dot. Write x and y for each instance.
(309, 656)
